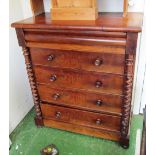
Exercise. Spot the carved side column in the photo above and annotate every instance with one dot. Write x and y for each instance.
(130, 54)
(126, 107)
(38, 118)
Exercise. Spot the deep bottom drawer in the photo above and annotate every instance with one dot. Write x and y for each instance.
(82, 130)
(79, 117)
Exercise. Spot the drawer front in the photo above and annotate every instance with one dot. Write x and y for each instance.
(99, 62)
(100, 133)
(29, 33)
(84, 118)
(104, 83)
(80, 99)
(109, 39)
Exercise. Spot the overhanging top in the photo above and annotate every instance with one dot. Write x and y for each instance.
(105, 22)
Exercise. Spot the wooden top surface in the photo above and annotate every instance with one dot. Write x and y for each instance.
(105, 22)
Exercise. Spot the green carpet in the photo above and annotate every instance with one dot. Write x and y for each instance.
(27, 139)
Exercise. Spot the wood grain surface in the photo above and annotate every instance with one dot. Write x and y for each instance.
(98, 62)
(96, 102)
(103, 83)
(82, 40)
(100, 133)
(112, 22)
(79, 117)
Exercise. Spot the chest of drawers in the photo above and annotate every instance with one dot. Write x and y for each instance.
(81, 72)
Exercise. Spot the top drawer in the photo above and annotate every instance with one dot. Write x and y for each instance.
(76, 37)
(86, 41)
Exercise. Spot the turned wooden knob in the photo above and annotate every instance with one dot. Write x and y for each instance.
(99, 102)
(53, 78)
(51, 57)
(56, 96)
(98, 84)
(58, 114)
(98, 122)
(98, 62)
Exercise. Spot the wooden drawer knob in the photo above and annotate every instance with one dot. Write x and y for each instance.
(98, 62)
(98, 122)
(53, 78)
(51, 57)
(99, 102)
(98, 84)
(58, 114)
(56, 96)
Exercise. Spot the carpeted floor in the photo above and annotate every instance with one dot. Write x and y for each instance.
(27, 139)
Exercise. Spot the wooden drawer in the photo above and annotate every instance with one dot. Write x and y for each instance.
(83, 118)
(30, 32)
(99, 62)
(81, 99)
(100, 133)
(102, 39)
(91, 81)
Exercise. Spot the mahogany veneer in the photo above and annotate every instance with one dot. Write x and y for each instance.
(97, 82)
(98, 62)
(98, 102)
(81, 72)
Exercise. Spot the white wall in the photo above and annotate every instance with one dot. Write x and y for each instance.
(20, 94)
(111, 5)
(140, 74)
(117, 5)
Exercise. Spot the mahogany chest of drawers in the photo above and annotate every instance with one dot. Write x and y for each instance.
(81, 72)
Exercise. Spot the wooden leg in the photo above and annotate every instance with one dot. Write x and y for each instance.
(124, 142)
(39, 121)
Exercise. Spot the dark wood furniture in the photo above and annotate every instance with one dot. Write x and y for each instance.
(81, 72)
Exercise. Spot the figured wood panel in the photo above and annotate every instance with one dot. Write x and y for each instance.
(100, 133)
(81, 40)
(104, 83)
(108, 63)
(84, 118)
(76, 47)
(80, 99)
(75, 33)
